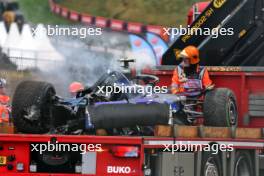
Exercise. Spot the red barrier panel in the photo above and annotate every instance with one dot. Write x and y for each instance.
(87, 19)
(154, 29)
(117, 25)
(158, 30)
(134, 27)
(101, 22)
(74, 15)
(64, 12)
(57, 9)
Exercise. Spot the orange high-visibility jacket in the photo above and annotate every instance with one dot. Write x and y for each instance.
(4, 99)
(179, 76)
(4, 111)
(4, 114)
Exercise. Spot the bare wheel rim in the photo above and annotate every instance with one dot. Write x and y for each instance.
(232, 112)
(211, 168)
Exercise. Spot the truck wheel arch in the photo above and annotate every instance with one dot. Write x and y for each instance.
(243, 164)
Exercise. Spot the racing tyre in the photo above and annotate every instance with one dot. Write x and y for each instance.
(243, 164)
(220, 108)
(31, 107)
(211, 165)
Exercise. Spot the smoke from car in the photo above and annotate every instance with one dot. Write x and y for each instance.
(86, 59)
(81, 64)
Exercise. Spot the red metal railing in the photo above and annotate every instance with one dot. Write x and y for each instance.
(116, 25)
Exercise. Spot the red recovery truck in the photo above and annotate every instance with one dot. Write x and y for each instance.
(173, 150)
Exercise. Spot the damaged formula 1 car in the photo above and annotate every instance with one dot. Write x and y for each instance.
(37, 108)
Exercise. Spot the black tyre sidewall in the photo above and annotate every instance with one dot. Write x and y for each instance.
(216, 107)
(46, 105)
(30, 93)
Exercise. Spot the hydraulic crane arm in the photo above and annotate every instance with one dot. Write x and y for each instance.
(244, 47)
